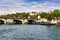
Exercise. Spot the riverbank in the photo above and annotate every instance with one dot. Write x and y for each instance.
(41, 21)
(47, 24)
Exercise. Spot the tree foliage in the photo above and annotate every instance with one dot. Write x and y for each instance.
(17, 15)
(49, 15)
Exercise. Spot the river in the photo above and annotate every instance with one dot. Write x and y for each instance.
(29, 32)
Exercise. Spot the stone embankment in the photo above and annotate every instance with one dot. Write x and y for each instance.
(42, 21)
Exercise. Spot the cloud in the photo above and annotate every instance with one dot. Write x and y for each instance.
(11, 6)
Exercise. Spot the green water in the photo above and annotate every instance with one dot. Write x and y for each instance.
(29, 32)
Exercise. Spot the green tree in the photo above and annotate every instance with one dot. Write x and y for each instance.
(34, 16)
(43, 14)
(56, 13)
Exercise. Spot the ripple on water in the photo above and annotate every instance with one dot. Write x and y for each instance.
(29, 32)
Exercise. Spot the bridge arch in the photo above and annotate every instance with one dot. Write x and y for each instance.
(31, 21)
(2, 21)
(17, 21)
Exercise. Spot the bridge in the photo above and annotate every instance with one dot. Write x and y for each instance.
(18, 21)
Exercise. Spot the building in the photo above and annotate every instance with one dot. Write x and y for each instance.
(33, 13)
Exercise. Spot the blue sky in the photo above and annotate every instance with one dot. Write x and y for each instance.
(12, 6)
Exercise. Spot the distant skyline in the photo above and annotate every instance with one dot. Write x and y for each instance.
(12, 6)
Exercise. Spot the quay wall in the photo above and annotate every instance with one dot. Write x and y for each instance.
(25, 21)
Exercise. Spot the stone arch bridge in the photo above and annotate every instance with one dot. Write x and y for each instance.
(17, 21)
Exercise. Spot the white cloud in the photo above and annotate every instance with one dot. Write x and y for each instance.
(9, 6)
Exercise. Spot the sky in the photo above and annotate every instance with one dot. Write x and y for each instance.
(12, 6)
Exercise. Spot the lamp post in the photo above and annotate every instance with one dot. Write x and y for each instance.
(28, 16)
(38, 18)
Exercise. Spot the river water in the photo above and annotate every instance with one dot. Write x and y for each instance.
(29, 32)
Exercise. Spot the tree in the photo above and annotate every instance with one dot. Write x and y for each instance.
(56, 13)
(43, 14)
(34, 16)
